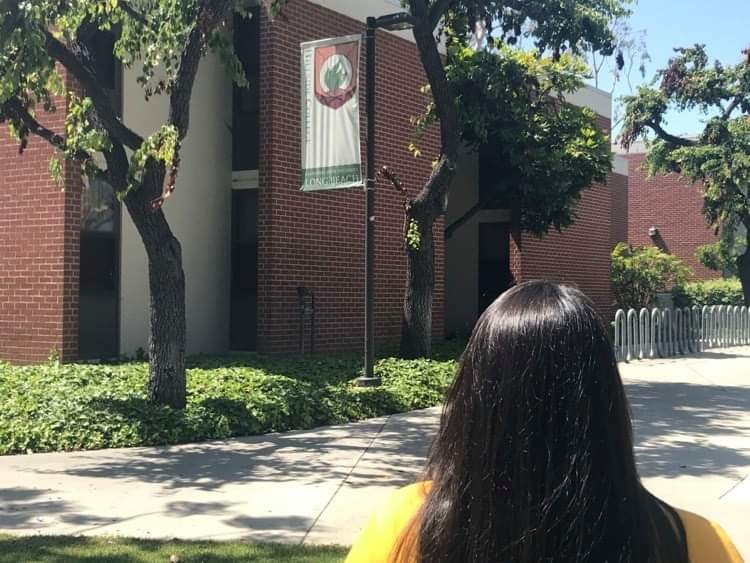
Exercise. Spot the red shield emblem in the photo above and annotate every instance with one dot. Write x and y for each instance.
(336, 73)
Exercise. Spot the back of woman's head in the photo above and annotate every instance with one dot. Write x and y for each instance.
(534, 459)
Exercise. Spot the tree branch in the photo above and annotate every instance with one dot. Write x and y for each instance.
(132, 12)
(58, 51)
(117, 166)
(431, 199)
(437, 11)
(731, 107)
(210, 15)
(179, 100)
(675, 140)
(15, 109)
(116, 158)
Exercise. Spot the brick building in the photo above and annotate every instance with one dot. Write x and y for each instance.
(487, 254)
(665, 211)
(39, 250)
(73, 275)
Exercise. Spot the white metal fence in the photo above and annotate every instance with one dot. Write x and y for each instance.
(663, 333)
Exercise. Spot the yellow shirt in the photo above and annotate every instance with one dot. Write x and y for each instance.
(707, 541)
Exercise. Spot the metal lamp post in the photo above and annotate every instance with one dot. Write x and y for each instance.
(391, 22)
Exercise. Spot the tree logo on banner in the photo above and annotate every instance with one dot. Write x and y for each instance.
(335, 71)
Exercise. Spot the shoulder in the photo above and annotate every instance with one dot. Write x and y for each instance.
(707, 540)
(401, 507)
(384, 529)
(410, 497)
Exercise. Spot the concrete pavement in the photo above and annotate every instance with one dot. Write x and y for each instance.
(312, 486)
(692, 423)
(692, 434)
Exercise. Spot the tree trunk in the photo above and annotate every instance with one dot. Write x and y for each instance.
(167, 382)
(743, 269)
(416, 326)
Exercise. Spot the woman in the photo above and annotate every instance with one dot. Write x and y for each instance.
(534, 460)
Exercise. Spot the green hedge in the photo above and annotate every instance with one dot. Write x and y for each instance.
(639, 273)
(54, 407)
(711, 292)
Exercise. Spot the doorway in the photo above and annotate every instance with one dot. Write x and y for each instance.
(493, 263)
(244, 289)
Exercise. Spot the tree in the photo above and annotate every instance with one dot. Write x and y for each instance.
(167, 38)
(639, 273)
(721, 256)
(630, 53)
(555, 28)
(542, 152)
(719, 156)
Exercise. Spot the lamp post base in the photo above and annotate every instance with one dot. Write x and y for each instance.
(367, 382)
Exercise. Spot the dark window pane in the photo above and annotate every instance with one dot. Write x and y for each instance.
(99, 206)
(99, 271)
(246, 103)
(244, 295)
(99, 45)
(102, 45)
(98, 263)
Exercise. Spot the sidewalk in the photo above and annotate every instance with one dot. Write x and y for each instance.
(301, 486)
(692, 434)
(692, 419)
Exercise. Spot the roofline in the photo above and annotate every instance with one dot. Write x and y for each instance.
(588, 96)
(594, 98)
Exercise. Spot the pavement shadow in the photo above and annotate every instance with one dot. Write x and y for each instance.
(270, 528)
(715, 354)
(310, 457)
(24, 508)
(687, 429)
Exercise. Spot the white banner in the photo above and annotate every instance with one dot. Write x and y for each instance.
(330, 114)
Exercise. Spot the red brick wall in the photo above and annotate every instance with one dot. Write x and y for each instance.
(317, 239)
(39, 248)
(674, 206)
(580, 254)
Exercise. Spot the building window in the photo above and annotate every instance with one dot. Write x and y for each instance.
(99, 281)
(98, 207)
(99, 271)
(244, 289)
(246, 101)
(100, 45)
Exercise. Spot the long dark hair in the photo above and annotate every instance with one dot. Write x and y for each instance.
(534, 460)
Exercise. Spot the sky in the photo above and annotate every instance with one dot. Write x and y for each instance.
(722, 25)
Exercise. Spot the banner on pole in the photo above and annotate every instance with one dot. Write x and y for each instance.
(331, 156)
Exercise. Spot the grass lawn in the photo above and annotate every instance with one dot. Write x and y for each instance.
(62, 549)
(59, 407)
